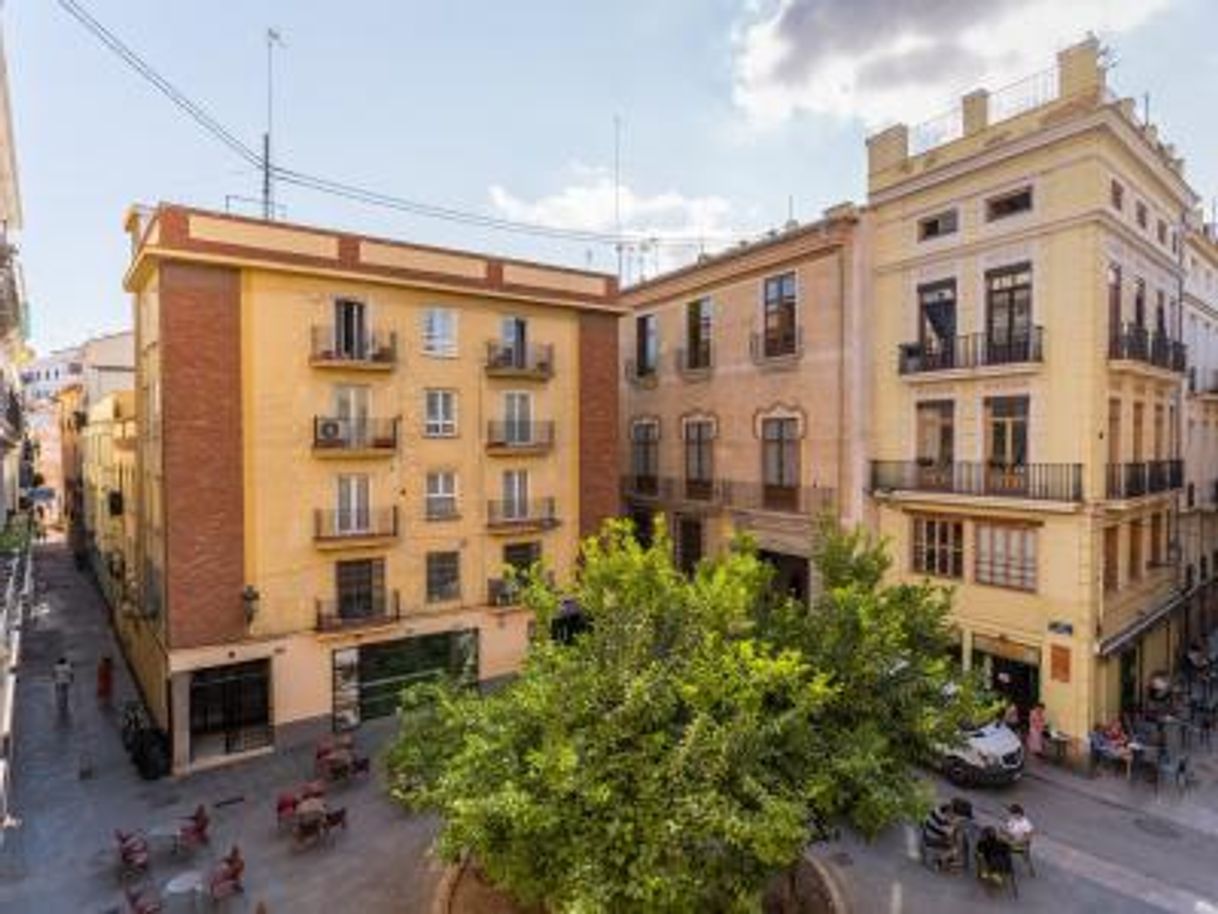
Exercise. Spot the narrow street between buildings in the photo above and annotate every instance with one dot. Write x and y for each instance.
(74, 785)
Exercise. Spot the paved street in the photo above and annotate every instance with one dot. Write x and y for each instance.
(61, 859)
(1102, 846)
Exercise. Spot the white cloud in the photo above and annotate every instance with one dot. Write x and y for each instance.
(879, 60)
(587, 202)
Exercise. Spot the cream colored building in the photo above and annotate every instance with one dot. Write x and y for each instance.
(743, 395)
(108, 478)
(1028, 386)
(345, 446)
(1199, 508)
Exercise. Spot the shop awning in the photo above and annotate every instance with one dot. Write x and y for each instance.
(1140, 626)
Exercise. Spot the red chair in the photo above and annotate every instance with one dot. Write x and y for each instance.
(144, 901)
(130, 838)
(285, 809)
(133, 857)
(194, 832)
(225, 879)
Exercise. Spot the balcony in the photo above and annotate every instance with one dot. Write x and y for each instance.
(510, 516)
(779, 347)
(672, 489)
(336, 436)
(358, 610)
(349, 529)
(503, 592)
(529, 362)
(441, 508)
(696, 361)
(1144, 477)
(1038, 481)
(972, 351)
(755, 496)
(370, 352)
(510, 439)
(1157, 350)
(642, 375)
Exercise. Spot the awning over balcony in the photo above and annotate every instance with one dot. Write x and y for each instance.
(1138, 627)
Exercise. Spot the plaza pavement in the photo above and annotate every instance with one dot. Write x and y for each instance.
(61, 859)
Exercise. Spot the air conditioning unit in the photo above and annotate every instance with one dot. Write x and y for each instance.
(329, 431)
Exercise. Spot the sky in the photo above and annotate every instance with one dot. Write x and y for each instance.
(734, 113)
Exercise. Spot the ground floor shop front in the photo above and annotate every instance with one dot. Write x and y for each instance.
(227, 702)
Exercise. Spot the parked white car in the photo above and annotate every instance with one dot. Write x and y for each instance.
(990, 754)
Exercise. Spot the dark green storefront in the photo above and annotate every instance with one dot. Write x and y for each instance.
(369, 678)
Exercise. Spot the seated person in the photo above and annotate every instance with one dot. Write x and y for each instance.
(1197, 658)
(993, 853)
(1018, 827)
(941, 828)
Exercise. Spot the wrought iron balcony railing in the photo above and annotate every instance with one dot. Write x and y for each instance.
(339, 433)
(332, 524)
(520, 435)
(1144, 477)
(974, 350)
(515, 361)
(358, 609)
(1138, 344)
(370, 349)
(1044, 481)
(536, 512)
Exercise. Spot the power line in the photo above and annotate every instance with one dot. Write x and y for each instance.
(351, 191)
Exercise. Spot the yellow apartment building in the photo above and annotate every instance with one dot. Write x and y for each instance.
(743, 398)
(108, 478)
(71, 417)
(1199, 511)
(1027, 379)
(345, 445)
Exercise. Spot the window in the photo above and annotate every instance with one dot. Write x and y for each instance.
(1161, 231)
(515, 494)
(1008, 327)
(443, 576)
(441, 495)
(698, 334)
(441, 421)
(1112, 552)
(938, 546)
(645, 454)
(1136, 563)
(936, 442)
(517, 417)
(352, 513)
(1007, 431)
(1006, 556)
(440, 332)
(521, 556)
(1139, 303)
(937, 324)
(350, 330)
(1010, 204)
(938, 225)
(1142, 214)
(780, 332)
(779, 462)
(514, 335)
(1116, 195)
(1114, 300)
(646, 344)
(360, 588)
(1157, 542)
(699, 464)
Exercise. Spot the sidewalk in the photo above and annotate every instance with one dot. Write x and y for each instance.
(61, 858)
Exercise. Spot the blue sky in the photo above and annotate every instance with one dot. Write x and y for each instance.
(729, 107)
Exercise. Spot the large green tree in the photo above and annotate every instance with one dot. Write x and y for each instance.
(672, 756)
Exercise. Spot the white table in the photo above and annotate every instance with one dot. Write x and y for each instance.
(189, 883)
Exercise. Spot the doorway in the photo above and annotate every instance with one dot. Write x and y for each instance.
(689, 544)
(790, 574)
(1013, 680)
(230, 709)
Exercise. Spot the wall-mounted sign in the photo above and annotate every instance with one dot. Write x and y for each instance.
(1061, 628)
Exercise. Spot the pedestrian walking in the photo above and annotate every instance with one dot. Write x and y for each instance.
(62, 676)
(1036, 729)
(105, 679)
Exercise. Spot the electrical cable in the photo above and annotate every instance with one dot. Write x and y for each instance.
(351, 191)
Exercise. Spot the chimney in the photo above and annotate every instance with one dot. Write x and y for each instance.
(887, 149)
(976, 106)
(1079, 69)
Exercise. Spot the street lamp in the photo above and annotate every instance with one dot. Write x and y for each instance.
(250, 598)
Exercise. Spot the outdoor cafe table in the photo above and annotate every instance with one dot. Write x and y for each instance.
(170, 832)
(189, 883)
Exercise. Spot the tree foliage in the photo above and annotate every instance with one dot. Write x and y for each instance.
(671, 758)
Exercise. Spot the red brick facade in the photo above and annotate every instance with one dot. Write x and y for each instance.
(598, 420)
(201, 439)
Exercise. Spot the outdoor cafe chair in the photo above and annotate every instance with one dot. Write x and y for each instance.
(1022, 847)
(144, 901)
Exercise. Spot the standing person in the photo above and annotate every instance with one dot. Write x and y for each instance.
(1036, 729)
(62, 676)
(105, 679)
(1010, 717)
